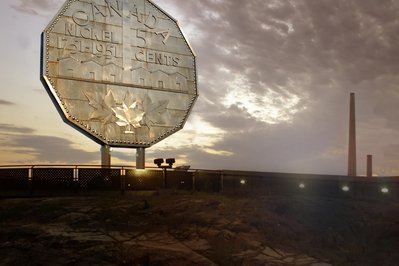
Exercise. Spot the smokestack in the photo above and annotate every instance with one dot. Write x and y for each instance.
(352, 137)
(369, 165)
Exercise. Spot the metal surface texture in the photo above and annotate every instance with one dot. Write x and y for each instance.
(120, 71)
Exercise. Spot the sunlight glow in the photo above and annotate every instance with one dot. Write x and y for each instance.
(270, 107)
(217, 152)
(197, 133)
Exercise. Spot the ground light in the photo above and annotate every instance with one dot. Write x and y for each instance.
(302, 185)
(345, 188)
(384, 190)
(140, 172)
(243, 181)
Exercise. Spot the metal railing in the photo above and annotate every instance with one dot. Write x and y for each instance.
(34, 179)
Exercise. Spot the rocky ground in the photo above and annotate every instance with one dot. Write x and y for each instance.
(168, 228)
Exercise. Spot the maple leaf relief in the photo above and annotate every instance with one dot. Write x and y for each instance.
(128, 113)
(129, 116)
(102, 106)
(156, 111)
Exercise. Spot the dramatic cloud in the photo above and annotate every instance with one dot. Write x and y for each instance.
(36, 7)
(276, 77)
(14, 129)
(54, 149)
(41, 149)
(274, 83)
(4, 102)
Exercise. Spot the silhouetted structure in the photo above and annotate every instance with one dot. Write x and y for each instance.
(369, 165)
(352, 137)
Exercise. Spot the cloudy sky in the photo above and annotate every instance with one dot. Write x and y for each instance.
(274, 84)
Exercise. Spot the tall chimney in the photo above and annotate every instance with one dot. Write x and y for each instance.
(352, 137)
(369, 165)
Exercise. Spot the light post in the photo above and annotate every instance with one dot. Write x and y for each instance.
(159, 162)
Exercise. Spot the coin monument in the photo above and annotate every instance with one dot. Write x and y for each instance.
(119, 71)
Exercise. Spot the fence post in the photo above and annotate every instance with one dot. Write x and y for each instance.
(193, 176)
(30, 180)
(165, 178)
(123, 180)
(221, 181)
(75, 181)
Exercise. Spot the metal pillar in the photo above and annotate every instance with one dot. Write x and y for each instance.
(221, 181)
(140, 158)
(193, 176)
(105, 156)
(75, 180)
(369, 165)
(165, 178)
(123, 180)
(31, 180)
(352, 137)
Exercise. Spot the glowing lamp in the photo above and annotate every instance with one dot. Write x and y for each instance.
(345, 188)
(384, 190)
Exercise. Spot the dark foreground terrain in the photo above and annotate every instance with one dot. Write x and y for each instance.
(166, 228)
